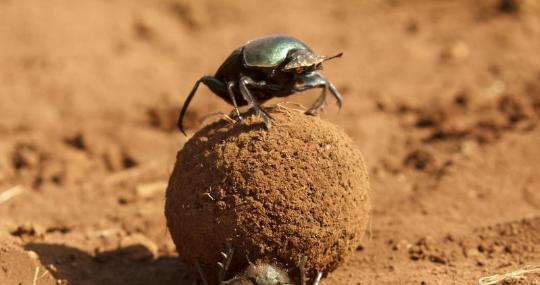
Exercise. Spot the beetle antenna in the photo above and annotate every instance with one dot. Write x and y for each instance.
(334, 56)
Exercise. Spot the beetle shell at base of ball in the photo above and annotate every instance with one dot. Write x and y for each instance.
(260, 273)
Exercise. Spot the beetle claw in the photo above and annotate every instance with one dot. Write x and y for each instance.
(319, 105)
(316, 110)
(235, 115)
(259, 111)
(313, 112)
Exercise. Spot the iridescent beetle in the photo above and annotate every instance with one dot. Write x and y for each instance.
(264, 68)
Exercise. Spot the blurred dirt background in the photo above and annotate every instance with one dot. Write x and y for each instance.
(442, 97)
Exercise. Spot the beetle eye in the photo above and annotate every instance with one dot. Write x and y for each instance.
(299, 81)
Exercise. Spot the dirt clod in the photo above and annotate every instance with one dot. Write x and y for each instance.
(20, 267)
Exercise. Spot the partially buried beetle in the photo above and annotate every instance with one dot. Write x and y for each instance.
(264, 68)
(259, 273)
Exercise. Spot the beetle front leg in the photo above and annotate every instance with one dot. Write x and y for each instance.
(318, 106)
(328, 85)
(317, 80)
(252, 101)
(336, 94)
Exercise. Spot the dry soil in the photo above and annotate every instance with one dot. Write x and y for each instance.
(442, 98)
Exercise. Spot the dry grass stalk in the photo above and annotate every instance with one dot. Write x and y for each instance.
(519, 274)
(284, 107)
(37, 276)
(147, 190)
(221, 114)
(11, 193)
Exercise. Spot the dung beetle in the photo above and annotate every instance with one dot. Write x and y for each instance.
(264, 68)
(259, 273)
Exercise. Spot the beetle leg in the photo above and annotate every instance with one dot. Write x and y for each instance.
(201, 273)
(318, 106)
(211, 82)
(230, 86)
(318, 278)
(248, 96)
(302, 269)
(317, 80)
(336, 94)
(224, 265)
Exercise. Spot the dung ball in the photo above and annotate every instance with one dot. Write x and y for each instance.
(297, 190)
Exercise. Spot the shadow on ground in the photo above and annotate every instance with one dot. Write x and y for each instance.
(110, 267)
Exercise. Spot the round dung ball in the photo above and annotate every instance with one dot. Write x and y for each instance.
(298, 189)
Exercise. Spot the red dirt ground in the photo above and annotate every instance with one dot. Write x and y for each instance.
(442, 97)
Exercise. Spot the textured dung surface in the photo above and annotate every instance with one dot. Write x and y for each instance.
(298, 189)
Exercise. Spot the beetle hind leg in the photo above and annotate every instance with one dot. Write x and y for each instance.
(302, 269)
(225, 263)
(201, 273)
(318, 278)
(213, 83)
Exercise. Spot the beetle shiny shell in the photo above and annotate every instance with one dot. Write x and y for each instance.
(264, 68)
(270, 51)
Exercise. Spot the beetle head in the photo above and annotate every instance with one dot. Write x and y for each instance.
(302, 60)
